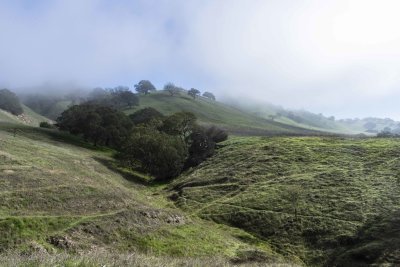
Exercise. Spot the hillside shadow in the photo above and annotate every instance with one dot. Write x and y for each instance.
(375, 243)
(42, 134)
(126, 174)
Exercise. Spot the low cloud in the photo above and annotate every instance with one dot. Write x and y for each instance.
(336, 57)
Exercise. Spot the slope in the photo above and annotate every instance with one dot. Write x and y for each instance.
(29, 117)
(60, 194)
(297, 118)
(308, 196)
(208, 111)
(318, 122)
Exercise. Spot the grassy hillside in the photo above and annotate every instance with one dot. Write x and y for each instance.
(59, 194)
(29, 117)
(325, 200)
(297, 118)
(212, 112)
(55, 111)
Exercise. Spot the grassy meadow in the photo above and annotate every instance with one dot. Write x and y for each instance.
(317, 198)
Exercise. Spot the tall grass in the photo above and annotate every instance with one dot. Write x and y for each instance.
(103, 258)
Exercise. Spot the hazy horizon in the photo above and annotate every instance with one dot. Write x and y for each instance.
(338, 58)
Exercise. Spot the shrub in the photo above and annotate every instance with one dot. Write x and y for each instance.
(216, 134)
(45, 124)
(201, 147)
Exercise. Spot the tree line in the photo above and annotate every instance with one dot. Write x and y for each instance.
(120, 97)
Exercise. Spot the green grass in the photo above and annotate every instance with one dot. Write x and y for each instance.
(55, 187)
(59, 193)
(99, 257)
(216, 113)
(29, 117)
(344, 183)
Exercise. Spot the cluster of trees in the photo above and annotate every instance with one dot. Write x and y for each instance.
(10, 102)
(161, 145)
(101, 125)
(173, 90)
(194, 93)
(164, 146)
(119, 97)
(389, 132)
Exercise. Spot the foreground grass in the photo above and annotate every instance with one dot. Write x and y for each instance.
(307, 196)
(105, 258)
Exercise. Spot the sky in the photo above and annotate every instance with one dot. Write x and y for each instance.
(338, 58)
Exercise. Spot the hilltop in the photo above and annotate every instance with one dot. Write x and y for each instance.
(321, 199)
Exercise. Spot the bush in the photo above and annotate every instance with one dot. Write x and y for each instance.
(201, 147)
(45, 124)
(10, 102)
(216, 134)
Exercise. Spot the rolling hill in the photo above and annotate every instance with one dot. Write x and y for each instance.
(238, 117)
(328, 201)
(209, 112)
(318, 122)
(314, 200)
(60, 194)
